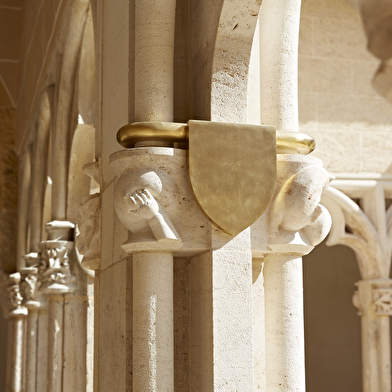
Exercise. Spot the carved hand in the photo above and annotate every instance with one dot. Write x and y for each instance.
(145, 206)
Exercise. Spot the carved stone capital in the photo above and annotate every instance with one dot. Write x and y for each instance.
(374, 297)
(55, 272)
(296, 220)
(11, 298)
(28, 287)
(146, 197)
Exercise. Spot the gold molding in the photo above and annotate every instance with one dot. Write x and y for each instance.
(129, 135)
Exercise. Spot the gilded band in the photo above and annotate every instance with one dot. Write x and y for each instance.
(129, 135)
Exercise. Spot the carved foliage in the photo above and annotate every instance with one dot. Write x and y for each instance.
(55, 269)
(374, 296)
(382, 301)
(27, 286)
(11, 298)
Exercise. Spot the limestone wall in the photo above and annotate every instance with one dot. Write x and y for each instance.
(337, 104)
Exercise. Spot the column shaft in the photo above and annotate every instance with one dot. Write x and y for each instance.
(153, 359)
(284, 324)
(55, 343)
(75, 343)
(31, 350)
(376, 362)
(279, 32)
(15, 356)
(222, 319)
(42, 348)
(154, 54)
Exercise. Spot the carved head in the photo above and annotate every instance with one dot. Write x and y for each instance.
(297, 208)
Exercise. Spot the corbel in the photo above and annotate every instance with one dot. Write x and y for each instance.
(232, 168)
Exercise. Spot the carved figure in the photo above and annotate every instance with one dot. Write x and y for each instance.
(296, 208)
(137, 206)
(89, 240)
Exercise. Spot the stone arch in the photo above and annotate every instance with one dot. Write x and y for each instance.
(231, 58)
(352, 228)
(66, 113)
(221, 34)
(362, 237)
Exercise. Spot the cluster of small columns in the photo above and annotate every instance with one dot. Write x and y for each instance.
(223, 305)
(47, 342)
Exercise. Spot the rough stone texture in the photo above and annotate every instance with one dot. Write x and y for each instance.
(8, 190)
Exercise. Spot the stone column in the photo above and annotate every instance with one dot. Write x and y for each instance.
(153, 363)
(143, 201)
(154, 55)
(37, 324)
(296, 221)
(57, 279)
(29, 279)
(139, 206)
(11, 301)
(374, 301)
(296, 224)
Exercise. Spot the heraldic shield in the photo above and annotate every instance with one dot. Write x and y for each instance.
(232, 171)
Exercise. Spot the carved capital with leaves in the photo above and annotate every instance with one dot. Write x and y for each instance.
(374, 296)
(54, 268)
(28, 287)
(11, 298)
